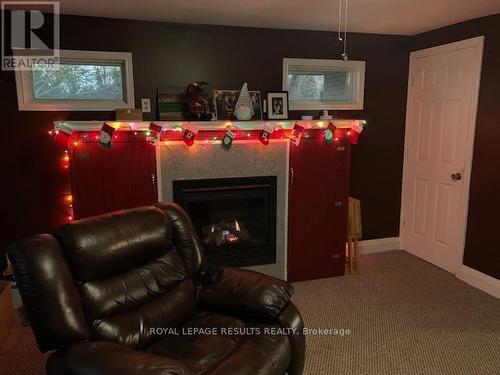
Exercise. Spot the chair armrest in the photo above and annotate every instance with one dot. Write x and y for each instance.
(244, 293)
(104, 358)
(290, 318)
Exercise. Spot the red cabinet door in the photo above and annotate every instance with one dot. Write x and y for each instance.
(105, 180)
(317, 210)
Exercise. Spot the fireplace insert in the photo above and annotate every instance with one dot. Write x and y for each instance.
(234, 217)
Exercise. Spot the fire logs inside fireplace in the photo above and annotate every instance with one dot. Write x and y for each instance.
(225, 232)
(235, 218)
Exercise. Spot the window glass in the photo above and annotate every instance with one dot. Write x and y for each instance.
(79, 81)
(320, 85)
(323, 84)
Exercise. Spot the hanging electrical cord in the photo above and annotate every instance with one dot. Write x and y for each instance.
(343, 12)
(344, 55)
(340, 22)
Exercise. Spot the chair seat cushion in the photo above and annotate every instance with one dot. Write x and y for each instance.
(216, 344)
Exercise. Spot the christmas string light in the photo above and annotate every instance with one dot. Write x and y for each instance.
(69, 202)
(176, 132)
(213, 135)
(64, 138)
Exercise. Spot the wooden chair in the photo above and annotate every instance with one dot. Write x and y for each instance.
(354, 233)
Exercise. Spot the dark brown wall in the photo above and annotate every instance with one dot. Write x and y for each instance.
(172, 54)
(481, 253)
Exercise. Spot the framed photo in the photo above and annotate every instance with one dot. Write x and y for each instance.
(277, 105)
(172, 102)
(225, 101)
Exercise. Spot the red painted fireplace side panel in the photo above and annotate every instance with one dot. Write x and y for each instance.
(105, 180)
(317, 210)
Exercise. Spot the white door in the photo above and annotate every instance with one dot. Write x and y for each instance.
(440, 122)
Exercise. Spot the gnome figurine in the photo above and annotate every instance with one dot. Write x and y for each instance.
(244, 107)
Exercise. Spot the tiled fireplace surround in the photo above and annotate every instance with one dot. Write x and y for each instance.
(206, 161)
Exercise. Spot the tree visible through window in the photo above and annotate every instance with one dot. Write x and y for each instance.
(334, 86)
(79, 81)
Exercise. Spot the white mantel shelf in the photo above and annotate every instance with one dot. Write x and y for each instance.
(79, 126)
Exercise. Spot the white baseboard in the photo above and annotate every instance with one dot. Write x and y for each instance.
(378, 245)
(479, 280)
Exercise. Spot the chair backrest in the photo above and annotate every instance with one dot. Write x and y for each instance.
(111, 277)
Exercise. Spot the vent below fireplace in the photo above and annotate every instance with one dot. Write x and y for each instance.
(235, 218)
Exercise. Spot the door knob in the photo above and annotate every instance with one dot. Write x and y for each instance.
(456, 176)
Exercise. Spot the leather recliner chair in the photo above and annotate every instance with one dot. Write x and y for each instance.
(127, 293)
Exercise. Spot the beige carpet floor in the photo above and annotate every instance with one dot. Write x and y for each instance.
(20, 355)
(405, 316)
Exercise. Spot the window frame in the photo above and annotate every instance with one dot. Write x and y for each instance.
(357, 67)
(27, 102)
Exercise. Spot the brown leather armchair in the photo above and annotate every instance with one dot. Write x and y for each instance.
(128, 293)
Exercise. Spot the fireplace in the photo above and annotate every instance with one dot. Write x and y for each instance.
(235, 218)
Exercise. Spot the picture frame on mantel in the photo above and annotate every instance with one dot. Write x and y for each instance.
(277, 105)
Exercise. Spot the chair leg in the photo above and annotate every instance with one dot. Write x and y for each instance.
(355, 253)
(350, 250)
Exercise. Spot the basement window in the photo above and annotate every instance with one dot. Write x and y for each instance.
(83, 81)
(314, 84)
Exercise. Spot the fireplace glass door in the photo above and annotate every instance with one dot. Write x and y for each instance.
(235, 218)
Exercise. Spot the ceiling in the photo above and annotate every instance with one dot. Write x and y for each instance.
(407, 17)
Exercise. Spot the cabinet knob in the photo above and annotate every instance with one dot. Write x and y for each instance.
(337, 203)
(341, 148)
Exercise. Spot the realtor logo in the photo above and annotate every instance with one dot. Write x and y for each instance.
(30, 34)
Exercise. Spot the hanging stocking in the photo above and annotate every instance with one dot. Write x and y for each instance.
(296, 134)
(266, 133)
(188, 137)
(227, 141)
(355, 132)
(61, 138)
(329, 133)
(154, 134)
(106, 135)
